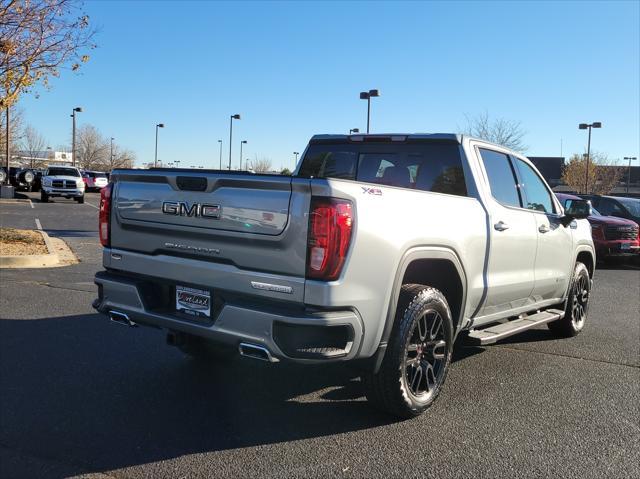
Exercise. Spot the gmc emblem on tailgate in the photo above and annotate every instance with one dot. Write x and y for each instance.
(182, 208)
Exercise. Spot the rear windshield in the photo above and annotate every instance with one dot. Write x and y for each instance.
(93, 174)
(428, 166)
(62, 172)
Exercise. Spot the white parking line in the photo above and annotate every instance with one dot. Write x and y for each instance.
(30, 203)
(38, 224)
(93, 206)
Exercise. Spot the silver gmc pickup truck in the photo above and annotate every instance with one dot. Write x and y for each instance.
(379, 251)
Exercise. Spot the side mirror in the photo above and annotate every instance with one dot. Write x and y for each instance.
(576, 210)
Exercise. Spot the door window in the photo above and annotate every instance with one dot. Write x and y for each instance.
(610, 208)
(502, 180)
(538, 197)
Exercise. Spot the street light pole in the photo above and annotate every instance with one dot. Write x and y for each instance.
(220, 141)
(111, 157)
(630, 158)
(73, 134)
(586, 178)
(367, 95)
(243, 142)
(155, 161)
(585, 126)
(296, 161)
(233, 117)
(6, 137)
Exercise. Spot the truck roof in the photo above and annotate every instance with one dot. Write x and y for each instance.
(457, 137)
(410, 136)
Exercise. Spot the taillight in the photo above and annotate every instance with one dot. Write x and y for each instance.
(330, 226)
(104, 215)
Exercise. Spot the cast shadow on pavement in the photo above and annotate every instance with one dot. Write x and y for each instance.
(103, 396)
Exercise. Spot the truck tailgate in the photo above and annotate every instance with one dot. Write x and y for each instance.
(257, 222)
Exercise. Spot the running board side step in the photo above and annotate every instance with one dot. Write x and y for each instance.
(496, 332)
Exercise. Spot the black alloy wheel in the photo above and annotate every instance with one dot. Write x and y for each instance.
(577, 305)
(417, 357)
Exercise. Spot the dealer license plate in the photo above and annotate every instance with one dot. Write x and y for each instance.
(194, 302)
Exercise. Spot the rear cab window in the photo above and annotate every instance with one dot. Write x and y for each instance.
(429, 165)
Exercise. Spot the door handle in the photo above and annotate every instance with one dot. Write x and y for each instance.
(501, 226)
(544, 229)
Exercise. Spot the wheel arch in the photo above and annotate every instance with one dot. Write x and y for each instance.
(586, 256)
(439, 267)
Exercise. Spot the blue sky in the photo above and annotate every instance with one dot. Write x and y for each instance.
(294, 69)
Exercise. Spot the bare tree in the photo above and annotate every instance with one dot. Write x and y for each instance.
(33, 144)
(262, 165)
(95, 153)
(38, 38)
(121, 158)
(91, 147)
(603, 176)
(508, 133)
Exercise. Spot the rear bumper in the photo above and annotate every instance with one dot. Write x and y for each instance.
(297, 335)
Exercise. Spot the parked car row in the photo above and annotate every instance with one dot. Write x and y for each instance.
(95, 180)
(614, 233)
(62, 181)
(30, 179)
(20, 178)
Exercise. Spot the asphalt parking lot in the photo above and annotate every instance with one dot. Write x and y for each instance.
(81, 396)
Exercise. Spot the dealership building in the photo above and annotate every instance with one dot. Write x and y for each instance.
(551, 169)
(24, 159)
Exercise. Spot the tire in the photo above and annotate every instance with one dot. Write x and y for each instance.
(200, 349)
(575, 314)
(422, 336)
(44, 198)
(80, 199)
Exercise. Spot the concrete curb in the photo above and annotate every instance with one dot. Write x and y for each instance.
(34, 260)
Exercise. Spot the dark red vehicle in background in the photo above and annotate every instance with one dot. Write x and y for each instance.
(612, 236)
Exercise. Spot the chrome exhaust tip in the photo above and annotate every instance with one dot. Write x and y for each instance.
(256, 352)
(121, 318)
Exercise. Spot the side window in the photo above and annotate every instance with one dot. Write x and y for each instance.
(605, 207)
(619, 211)
(537, 194)
(501, 177)
(610, 208)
